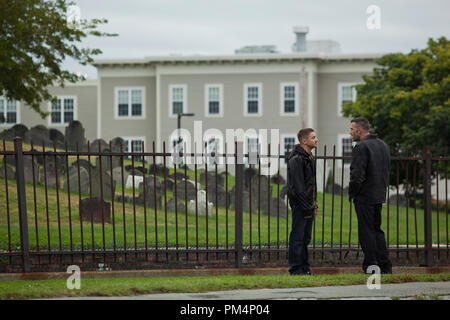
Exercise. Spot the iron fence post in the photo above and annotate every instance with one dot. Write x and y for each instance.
(239, 188)
(428, 209)
(22, 202)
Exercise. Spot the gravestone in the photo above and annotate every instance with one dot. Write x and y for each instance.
(220, 193)
(201, 205)
(137, 181)
(181, 207)
(276, 178)
(94, 146)
(160, 170)
(151, 190)
(57, 137)
(73, 180)
(181, 192)
(103, 185)
(10, 173)
(20, 130)
(245, 200)
(51, 175)
(28, 164)
(118, 145)
(117, 176)
(39, 134)
(74, 134)
(212, 179)
(92, 209)
(248, 174)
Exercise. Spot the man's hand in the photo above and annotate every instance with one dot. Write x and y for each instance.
(316, 211)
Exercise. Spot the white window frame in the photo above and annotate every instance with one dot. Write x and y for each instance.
(116, 103)
(246, 146)
(128, 140)
(5, 124)
(296, 101)
(260, 99)
(283, 144)
(185, 92)
(211, 115)
(340, 145)
(339, 102)
(75, 111)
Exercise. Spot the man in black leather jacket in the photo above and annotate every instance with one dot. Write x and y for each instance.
(369, 173)
(302, 191)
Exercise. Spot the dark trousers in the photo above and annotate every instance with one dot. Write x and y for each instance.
(299, 239)
(371, 237)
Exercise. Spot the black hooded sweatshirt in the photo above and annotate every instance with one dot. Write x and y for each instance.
(302, 180)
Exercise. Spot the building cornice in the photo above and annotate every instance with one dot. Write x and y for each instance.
(237, 59)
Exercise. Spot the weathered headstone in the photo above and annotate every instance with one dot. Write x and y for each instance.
(151, 190)
(57, 137)
(219, 193)
(93, 209)
(212, 179)
(181, 207)
(83, 186)
(201, 205)
(39, 134)
(94, 146)
(74, 134)
(183, 186)
(137, 181)
(103, 185)
(117, 176)
(10, 173)
(160, 170)
(28, 164)
(50, 175)
(118, 145)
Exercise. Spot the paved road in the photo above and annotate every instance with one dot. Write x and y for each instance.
(412, 290)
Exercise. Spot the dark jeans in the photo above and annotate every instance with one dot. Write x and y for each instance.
(371, 237)
(299, 239)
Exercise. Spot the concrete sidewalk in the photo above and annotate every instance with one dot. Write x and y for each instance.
(412, 290)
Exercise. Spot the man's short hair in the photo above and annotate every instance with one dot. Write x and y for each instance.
(304, 134)
(362, 123)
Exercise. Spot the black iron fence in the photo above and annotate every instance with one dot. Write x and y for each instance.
(101, 208)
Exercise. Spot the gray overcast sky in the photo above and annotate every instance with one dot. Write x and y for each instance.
(162, 27)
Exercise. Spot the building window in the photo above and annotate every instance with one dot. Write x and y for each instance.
(135, 144)
(347, 93)
(8, 111)
(130, 102)
(253, 149)
(214, 146)
(288, 146)
(289, 92)
(213, 100)
(177, 99)
(63, 110)
(253, 105)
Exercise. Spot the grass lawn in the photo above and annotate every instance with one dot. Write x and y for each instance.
(22, 289)
(327, 228)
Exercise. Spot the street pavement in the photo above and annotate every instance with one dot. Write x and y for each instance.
(411, 290)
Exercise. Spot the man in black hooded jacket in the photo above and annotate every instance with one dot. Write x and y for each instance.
(302, 199)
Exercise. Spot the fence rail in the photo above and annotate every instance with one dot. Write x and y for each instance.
(105, 208)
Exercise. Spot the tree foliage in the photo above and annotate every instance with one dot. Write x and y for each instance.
(407, 98)
(35, 39)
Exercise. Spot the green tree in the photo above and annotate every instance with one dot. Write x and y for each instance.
(36, 37)
(407, 98)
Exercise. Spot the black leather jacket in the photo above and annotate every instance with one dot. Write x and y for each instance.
(301, 180)
(369, 171)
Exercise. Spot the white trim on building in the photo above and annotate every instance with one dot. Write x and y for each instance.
(341, 85)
